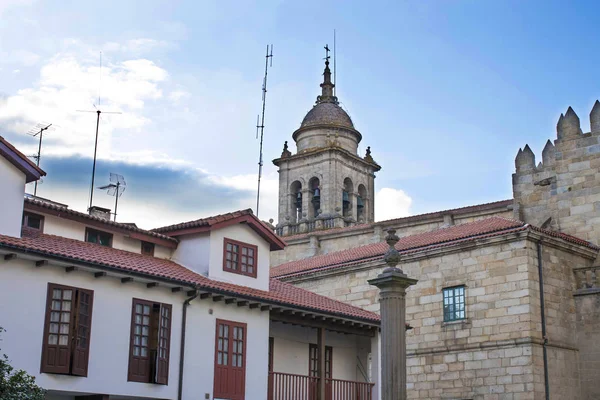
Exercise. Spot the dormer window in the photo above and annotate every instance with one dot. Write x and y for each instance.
(33, 221)
(98, 237)
(147, 248)
(239, 257)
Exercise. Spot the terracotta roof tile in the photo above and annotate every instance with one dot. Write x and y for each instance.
(492, 226)
(208, 221)
(127, 262)
(412, 218)
(65, 212)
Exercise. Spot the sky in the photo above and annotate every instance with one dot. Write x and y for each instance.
(444, 92)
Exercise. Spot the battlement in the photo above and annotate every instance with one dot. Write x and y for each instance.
(562, 192)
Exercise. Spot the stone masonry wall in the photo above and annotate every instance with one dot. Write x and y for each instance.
(563, 191)
(324, 243)
(588, 340)
(496, 352)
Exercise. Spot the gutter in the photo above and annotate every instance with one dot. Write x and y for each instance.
(543, 312)
(186, 303)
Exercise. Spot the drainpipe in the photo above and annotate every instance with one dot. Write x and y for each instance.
(541, 278)
(186, 303)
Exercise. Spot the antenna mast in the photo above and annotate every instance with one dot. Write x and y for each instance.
(261, 127)
(98, 112)
(39, 130)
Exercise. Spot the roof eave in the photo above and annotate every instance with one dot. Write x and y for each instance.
(20, 161)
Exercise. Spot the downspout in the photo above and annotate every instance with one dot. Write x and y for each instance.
(541, 278)
(186, 303)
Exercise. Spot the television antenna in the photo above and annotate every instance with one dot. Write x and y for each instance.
(39, 131)
(116, 187)
(260, 121)
(334, 75)
(98, 111)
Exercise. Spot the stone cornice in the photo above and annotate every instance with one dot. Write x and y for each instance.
(319, 150)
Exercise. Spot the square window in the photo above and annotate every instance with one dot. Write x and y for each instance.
(98, 237)
(33, 221)
(239, 257)
(454, 303)
(148, 248)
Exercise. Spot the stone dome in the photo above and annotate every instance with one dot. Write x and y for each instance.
(327, 113)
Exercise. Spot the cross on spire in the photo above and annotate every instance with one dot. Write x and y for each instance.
(327, 56)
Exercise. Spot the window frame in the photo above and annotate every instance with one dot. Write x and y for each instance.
(313, 361)
(79, 330)
(217, 393)
(89, 230)
(456, 293)
(239, 264)
(25, 221)
(157, 370)
(148, 253)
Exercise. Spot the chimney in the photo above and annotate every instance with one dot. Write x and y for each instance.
(100, 212)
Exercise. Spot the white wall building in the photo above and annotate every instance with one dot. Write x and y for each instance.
(96, 309)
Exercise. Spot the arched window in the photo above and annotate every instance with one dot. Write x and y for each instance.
(296, 199)
(346, 197)
(361, 203)
(315, 197)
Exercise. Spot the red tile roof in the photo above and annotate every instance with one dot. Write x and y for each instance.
(20, 160)
(121, 261)
(492, 226)
(40, 205)
(413, 218)
(217, 221)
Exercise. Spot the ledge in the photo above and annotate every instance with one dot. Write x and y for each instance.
(586, 291)
(458, 324)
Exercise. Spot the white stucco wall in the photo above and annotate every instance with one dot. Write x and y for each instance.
(193, 252)
(291, 351)
(109, 343)
(243, 233)
(162, 252)
(63, 227)
(12, 184)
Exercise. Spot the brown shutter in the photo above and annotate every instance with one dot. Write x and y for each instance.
(230, 360)
(139, 346)
(82, 332)
(164, 344)
(56, 347)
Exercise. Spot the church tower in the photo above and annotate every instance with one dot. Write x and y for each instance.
(325, 184)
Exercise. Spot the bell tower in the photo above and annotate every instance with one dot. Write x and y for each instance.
(326, 184)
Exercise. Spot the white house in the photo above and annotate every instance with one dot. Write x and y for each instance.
(96, 309)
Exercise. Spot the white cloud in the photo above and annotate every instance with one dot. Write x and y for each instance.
(391, 203)
(5, 5)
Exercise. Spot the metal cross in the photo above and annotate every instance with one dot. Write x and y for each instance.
(327, 52)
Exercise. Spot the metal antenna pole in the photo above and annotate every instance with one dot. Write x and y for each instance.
(117, 200)
(94, 166)
(268, 57)
(39, 154)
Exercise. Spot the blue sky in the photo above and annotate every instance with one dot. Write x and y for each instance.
(444, 92)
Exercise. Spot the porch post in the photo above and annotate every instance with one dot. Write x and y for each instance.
(392, 284)
(321, 358)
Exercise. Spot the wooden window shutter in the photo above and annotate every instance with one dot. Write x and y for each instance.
(82, 332)
(139, 346)
(164, 344)
(56, 347)
(230, 360)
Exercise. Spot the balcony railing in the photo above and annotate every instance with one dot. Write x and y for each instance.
(337, 389)
(302, 387)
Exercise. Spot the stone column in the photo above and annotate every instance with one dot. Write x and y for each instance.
(392, 284)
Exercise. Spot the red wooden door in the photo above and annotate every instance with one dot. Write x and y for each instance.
(230, 360)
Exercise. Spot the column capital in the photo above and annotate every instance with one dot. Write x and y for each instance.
(392, 279)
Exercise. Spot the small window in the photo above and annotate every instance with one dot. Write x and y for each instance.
(454, 303)
(67, 330)
(98, 237)
(148, 248)
(240, 258)
(150, 342)
(33, 221)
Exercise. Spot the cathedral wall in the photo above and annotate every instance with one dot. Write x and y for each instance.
(497, 349)
(588, 341)
(327, 242)
(563, 191)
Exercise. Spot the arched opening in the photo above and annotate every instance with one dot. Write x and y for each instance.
(346, 198)
(296, 199)
(361, 200)
(315, 197)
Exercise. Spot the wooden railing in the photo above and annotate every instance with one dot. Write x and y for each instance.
(292, 387)
(337, 389)
(284, 386)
